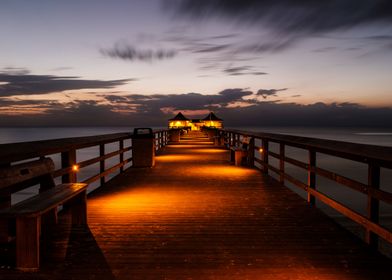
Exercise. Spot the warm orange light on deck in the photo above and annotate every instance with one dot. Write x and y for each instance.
(209, 151)
(173, 158)
(75, 168)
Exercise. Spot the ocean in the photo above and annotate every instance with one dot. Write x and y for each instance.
(351, 169)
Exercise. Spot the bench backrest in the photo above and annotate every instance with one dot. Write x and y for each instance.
(23, 175)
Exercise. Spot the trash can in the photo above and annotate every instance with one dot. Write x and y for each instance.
(174, 135)
(143, 147)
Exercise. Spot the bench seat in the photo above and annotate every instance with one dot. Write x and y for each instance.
(237, 154)
(40, 209)
(45, 201)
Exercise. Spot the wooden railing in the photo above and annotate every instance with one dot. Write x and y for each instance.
(68, 147)
(375, 157)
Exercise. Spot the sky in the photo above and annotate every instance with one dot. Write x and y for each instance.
(252, 62)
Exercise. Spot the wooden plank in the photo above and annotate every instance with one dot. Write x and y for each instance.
(264, 154)
(88, 162)
(373, 205)
(121, 150)
(359, 152)
(27, 244)
(26, 150)
(102, 163)
(68, 159)
(296, 163)
(107, 172)
(43, 202)
(281, 162)
(200, 218)
(358, 218)
(311, 176)
(20, 173)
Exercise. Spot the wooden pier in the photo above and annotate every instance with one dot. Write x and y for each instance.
(195, 216)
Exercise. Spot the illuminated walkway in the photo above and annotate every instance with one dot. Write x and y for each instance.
(195, 216)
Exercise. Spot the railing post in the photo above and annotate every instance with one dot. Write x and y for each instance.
(121, 147)
(160, 140)
(102, 163)
(265, 155)
(251, 152)
(373, 205)
(5, 202)
(312, 176)
(68, 159)
(281, 162)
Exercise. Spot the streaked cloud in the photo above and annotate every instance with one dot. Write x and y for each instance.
(21, 82)
(125, 51)
(269, 92)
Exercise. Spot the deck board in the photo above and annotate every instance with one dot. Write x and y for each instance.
(195, 216)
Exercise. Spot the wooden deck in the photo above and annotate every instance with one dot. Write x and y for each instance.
(195, 216)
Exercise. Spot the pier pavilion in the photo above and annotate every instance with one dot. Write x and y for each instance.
(194, 215)
(182, 122)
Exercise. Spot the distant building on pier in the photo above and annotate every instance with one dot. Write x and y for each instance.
(180, 121)
(212, 121)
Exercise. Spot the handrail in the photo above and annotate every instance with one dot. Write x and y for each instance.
(67, 148)
(354, 151)
(376, 157)
(20, 151)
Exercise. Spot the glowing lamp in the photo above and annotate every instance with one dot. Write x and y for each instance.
(261, 150)
(75, 168)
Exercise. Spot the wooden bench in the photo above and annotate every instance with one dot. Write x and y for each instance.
(39, 210)
(239, 155)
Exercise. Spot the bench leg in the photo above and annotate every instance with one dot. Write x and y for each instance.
(50, 218)
(79, 209)
(27, 243)
(238, 158)
(5, 202)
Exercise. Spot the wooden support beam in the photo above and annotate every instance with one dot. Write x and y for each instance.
(312, 176)
(121, 147)
(373, 204)
(281, 162)
(102, 163)
(68, 159)
(264, 155)
(79, 209)
(27, 243)
(251, 152)
(5, 202)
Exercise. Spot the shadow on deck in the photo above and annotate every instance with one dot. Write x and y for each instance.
(195, 216)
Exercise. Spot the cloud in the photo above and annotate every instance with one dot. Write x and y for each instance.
(125, 51)
(286, 16)
(242, 70)
(188, 101)
(22, 83)
(269, 92)
(155, 111)
(290, 21)
(318, 114)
